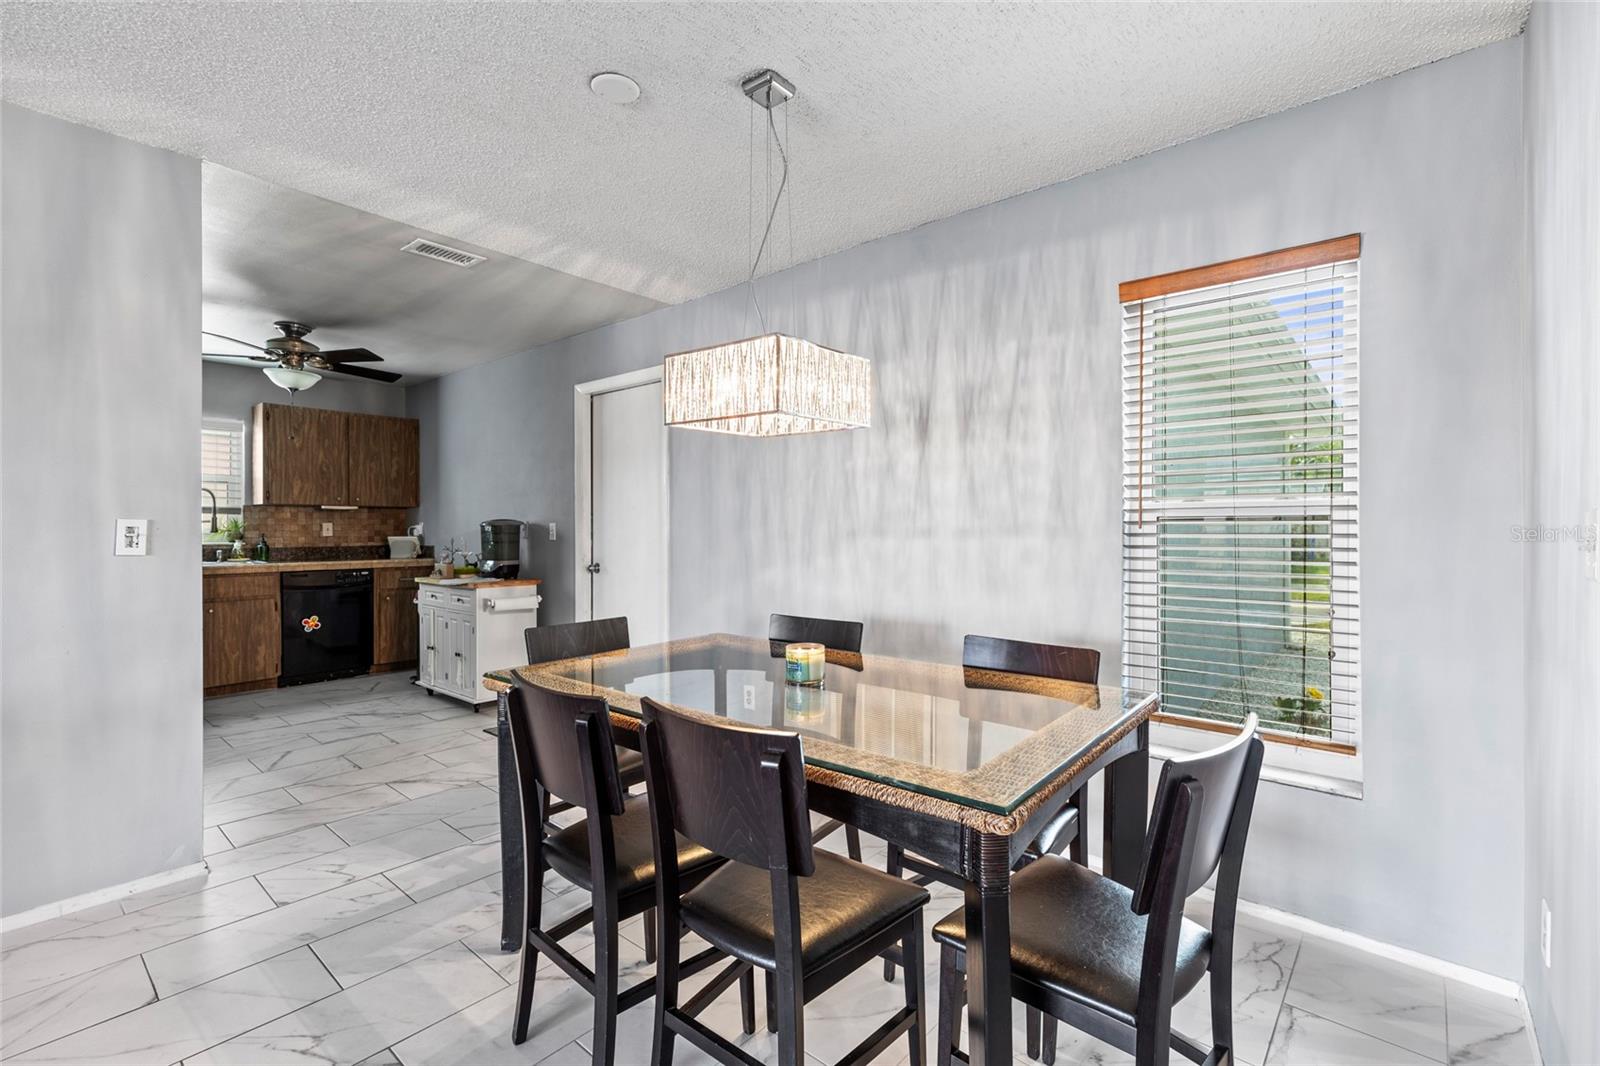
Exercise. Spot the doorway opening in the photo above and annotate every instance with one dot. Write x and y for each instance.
(623, 509)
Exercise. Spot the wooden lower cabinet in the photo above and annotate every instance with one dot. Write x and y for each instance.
(394, 617)
(242, 640)
(243, 635)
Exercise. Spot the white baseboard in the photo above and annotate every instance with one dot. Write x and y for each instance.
(1455, 971)
(101, 895)
(1527, 1020)
(1503, 986)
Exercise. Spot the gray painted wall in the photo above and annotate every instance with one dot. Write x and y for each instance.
(99, 655)
(986, 497)
(229, 391)
(1563, 748)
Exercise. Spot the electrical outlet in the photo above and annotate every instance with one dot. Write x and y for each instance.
(552, 531)
(327, 529)
(749, 697)
(1544, 931)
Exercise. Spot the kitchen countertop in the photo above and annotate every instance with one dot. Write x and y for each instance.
(320, 564)
(509, 582)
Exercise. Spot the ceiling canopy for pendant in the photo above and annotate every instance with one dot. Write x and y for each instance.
(770, 385)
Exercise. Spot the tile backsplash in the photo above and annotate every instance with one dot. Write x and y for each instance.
(301, 527)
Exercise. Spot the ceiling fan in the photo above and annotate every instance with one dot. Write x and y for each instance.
(297, 361)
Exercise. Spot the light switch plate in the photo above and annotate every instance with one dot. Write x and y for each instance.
(552, 531)
(327, 529)
(133, 536)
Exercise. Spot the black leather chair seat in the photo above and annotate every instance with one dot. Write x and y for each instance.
(841, 904)
(1075, 933)
(630, 766)
(568, 850)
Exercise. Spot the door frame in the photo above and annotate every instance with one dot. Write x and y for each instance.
(583, 395)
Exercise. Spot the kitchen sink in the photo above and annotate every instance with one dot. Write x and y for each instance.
(232, 562)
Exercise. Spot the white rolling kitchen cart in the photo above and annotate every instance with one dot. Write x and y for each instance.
(465, 629)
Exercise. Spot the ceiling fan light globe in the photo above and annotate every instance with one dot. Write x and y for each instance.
(291, 379)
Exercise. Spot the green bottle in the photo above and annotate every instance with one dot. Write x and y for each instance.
(263, 553)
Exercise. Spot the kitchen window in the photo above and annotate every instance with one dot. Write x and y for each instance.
(1240, 503)
(222, 473)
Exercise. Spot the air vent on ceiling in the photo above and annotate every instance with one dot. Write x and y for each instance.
(443, 253)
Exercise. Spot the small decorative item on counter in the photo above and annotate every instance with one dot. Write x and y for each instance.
(238, 549)
(263, 552)
(803, 664)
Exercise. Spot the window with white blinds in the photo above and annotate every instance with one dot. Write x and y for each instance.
(221, 471)
(1240, 493)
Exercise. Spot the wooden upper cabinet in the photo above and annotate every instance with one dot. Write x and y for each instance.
(309, 456)
(299, 455)
(383, 461)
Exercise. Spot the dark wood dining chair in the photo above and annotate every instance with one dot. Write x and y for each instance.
(1111, 961)
(798, 629)
(564, 748)
(580, 640)
(832, 633)
(807, 918)
(1070, 826)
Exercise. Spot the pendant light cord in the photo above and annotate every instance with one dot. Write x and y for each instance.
(772, 214)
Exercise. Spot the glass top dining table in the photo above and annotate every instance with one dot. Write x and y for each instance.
(961, 766)
(981, 739)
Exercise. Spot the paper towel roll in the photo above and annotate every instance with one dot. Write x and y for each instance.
(513, 603)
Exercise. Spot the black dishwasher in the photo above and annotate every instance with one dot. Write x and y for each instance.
(327, 625)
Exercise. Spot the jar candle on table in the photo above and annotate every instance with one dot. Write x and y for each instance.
(803, 664)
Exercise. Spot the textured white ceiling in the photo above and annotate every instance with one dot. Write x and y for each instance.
(474, 120)
(270, 252)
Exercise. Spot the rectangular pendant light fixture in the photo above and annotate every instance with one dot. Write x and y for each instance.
(766, 386)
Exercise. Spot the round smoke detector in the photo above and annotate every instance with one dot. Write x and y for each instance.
(614, 88)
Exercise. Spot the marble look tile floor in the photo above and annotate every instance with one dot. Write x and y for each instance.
(351, 915)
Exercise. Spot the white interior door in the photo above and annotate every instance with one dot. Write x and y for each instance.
(628, 519)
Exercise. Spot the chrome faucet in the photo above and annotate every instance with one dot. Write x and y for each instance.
(213, 496)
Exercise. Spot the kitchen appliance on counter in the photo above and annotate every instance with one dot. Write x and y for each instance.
(404, 547)
(500, 553)
(326, 624)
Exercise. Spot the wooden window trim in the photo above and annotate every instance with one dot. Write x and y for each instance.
(1299, 257)
(1232, 729)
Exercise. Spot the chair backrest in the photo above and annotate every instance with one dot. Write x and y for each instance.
(1226, 777)
(575, 640)
(564, 745)
(734, 789)
(797, 629)
(1060, 661)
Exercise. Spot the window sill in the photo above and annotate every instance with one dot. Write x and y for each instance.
(1332, 773)
(1284, 775)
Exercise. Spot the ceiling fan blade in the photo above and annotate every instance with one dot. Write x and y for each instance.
(364, 372)
(235, 355)
(351, 355)
(235, 340)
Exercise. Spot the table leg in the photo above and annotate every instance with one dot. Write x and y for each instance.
(1127, 801)
(988, 921)
(511, 879)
